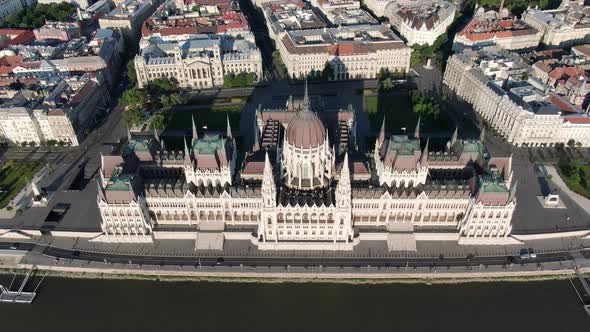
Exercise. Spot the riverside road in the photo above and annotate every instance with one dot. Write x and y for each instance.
(286, 260)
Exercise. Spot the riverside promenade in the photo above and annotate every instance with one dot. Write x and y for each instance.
(77, 264)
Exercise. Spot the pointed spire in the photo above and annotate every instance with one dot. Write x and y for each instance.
(306, 106)
(186, 151)
(512, 196)
(343, 188)
(345, 171)
(156, 136)
(195, 135)
(417, 130)
(256, 146)
(228, 133)
(482, 134)
(268, 181)
(455, 135)
(424, 156)
(162, 145)
(382, 132)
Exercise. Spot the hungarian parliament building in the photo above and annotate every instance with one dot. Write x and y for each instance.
(303, 184)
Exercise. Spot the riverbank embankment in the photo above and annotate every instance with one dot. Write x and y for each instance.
(307, 277)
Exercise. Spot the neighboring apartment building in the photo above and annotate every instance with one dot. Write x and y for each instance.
(566, 26)
(421, 22)
(128, 18)
(68, 109)
(307, 195)
(358, 51)
(174, 21)
(199, 62)
(288, 15)
(569, 81)
(490, 28)
(524, 112)
(58, 31)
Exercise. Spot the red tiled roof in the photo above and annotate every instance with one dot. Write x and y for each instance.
(578, 120)
(505, 28)
(563, 105)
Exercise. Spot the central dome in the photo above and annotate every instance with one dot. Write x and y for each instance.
(305, 130)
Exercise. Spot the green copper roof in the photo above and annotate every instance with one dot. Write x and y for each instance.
(208, 144)
(119, 182)
(474, 147)
(138, 145)
(403, 145)
(493, 184)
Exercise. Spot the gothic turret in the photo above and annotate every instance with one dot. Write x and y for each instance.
(228, 133)
(269, 189)
(195, 135)
(343, 190)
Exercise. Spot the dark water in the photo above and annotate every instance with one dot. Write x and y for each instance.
(104, 305)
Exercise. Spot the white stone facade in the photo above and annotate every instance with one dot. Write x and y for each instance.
(306, 52)
(566, 26)
(197, 63)
(422, 22)
(524, 114)
(163, 192)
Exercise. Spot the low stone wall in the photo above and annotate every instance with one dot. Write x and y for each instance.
(237, 235)
(436, 236)
(174, 235)
(304, 246)
(556, 235)
(373, 236)
(86, 235)
(312, 276)
(489, 241)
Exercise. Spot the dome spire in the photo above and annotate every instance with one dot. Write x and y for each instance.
(306, 106)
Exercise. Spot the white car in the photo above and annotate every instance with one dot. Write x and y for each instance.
(532, 253)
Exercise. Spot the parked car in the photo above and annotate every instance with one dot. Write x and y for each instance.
(532, 253)
(525, 254)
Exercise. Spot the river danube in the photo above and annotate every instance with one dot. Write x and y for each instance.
(115, 305)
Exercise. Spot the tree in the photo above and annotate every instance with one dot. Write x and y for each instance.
(424, 106)
(134, 98)
(133, 117)
(328, 71)
(51, 142)
(131, 74)
(32, 143)
(386, 85)
(23, 144)
(163, 85)
(571, 143)
(35, 17)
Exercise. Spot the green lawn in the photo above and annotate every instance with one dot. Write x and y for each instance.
(399, 114)
(13, 177)
(214, 118)
(579, 184)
